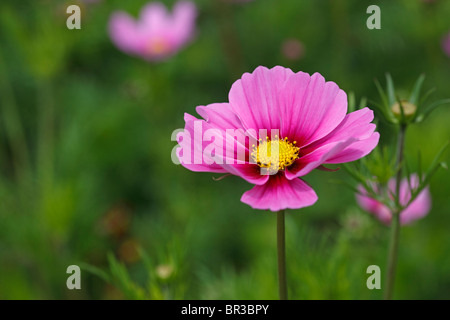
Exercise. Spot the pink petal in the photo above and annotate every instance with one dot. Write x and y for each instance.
(219, 115)
(254, 97)
(190, 154)
(154, 19)
(374, 207)
(446, 44)
(405, 190)
(183, 21)
(249, 172)
(311, 108)
(419, 208)
(219, 119)
(416, 210)
(351, 140)
(123, 32)
(306, 163)
(356, 150)
(366, 203)
(279, 194)
(357, 125)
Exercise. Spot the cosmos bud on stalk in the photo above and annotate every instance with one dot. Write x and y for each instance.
(396, 201)
(403, 109)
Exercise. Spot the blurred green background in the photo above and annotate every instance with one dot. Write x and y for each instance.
(86, 170)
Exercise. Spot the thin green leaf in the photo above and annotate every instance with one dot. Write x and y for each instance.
(431, 108)
(386, 114)
(119, 274)
(416, 90)
(415, 193)
(417, 116)
(425, 96)
(395, 197)
(354, 174)
(348, 185)
(145, 258)
(96, 271)
(382, 93)
(402, 112)
(351, 102)
(408, 174)
(435, 165)
(369, 192)
(419, 166)
(363, 103)
(435, 161)
(390, 89)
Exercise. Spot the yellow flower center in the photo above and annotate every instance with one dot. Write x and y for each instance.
(275, 155)
(158, 47)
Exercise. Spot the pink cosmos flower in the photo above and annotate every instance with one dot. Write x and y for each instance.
(157, 34)
(416, 210)
(313, 128)
(446, 44)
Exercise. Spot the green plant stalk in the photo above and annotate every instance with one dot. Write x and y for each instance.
(392, 256)
(231, 45)
(395, 223)
(13, 125)
(45, 156)
(281, 250)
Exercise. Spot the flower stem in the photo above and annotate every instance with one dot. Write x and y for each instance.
(395, 223)
(231, 44)
(14, 130)
(45, 155)
(281, 249)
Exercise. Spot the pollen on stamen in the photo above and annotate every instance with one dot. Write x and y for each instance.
(275, 154)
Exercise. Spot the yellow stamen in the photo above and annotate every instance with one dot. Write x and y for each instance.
(275, 154)
(158, 46)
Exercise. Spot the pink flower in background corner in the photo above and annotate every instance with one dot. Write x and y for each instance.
(314, 129)
(157, 34)
(446, 44)
(416, 210)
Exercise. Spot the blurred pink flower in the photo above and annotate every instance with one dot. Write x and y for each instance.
(157, 34)
(446, 44)
(293, 49)
(416, 210)
(314, 129)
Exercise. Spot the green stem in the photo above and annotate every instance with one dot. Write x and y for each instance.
(281, 249)
(46, 138)
(13, 124)
(228, 34)
(395, 223)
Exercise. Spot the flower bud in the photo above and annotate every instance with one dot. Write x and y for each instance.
(164, 271)
(409, 110)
